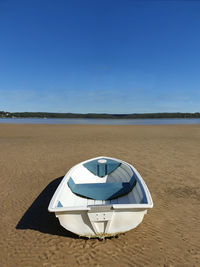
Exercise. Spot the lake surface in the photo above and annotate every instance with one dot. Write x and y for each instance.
(99, 121)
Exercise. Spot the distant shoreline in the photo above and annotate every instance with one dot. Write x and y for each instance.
(52, 115)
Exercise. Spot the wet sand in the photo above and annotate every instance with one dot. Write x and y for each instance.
(33, 160)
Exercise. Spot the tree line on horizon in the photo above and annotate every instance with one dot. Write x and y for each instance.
(162, 115)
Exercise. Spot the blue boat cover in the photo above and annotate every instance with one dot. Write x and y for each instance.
(102, 191)
(102, 169)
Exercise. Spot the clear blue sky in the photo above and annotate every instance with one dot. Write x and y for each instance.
(119, 56)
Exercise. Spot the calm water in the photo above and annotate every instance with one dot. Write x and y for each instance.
(100, 121)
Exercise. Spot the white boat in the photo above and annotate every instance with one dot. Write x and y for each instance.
(101, 197)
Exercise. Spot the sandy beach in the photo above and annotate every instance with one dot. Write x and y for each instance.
(33, 160)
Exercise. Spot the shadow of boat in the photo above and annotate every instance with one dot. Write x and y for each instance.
(38, 218)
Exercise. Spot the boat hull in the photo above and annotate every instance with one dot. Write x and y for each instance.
(106, 216)
(100, 222)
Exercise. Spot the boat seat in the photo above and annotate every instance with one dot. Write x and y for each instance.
(102, 167)
(102, 191)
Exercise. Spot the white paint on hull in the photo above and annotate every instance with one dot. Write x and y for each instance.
(83, 223)
(97, 218)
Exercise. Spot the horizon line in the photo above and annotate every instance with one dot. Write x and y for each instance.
(102, 113)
